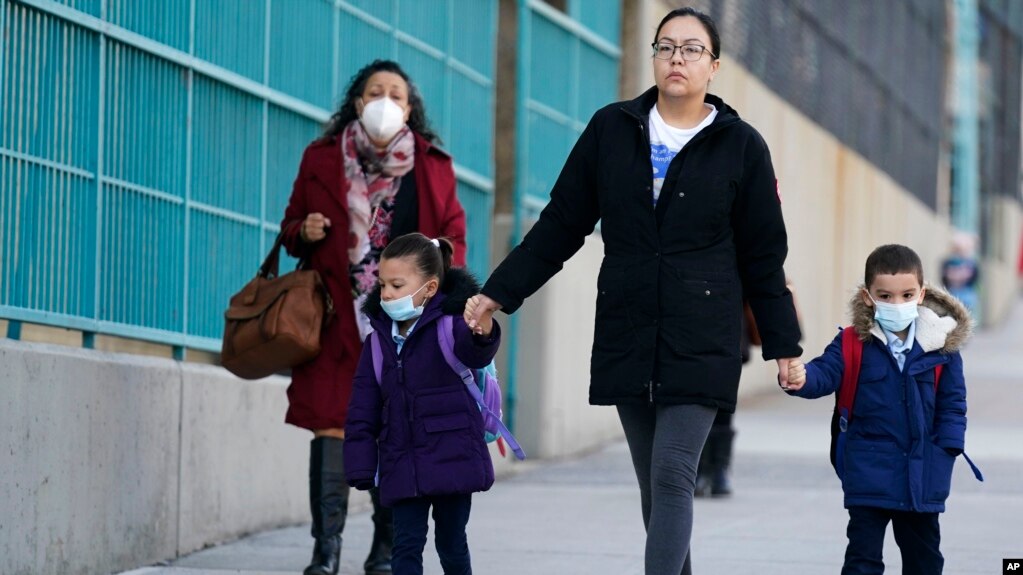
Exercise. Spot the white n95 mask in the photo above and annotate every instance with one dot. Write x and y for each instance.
(382, 119)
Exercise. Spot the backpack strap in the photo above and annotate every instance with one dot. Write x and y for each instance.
(378, 356)
(446, 339)
(852, 355)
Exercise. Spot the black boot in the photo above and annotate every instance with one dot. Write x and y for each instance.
(328, 501)
(379, 560)
(704, 470)
(721, 455)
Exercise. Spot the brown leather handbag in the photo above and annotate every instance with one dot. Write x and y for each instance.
(274, 323)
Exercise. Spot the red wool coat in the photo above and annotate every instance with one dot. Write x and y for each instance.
(320, 389)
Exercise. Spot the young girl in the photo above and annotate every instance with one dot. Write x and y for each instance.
(418, 433)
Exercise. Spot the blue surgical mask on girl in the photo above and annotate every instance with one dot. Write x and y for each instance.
(894, 317)
(402, 308)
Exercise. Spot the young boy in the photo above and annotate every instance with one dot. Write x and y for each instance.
(900, 445)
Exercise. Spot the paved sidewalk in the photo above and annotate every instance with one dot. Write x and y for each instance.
(582, 516)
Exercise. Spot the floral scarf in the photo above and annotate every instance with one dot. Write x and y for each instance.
(373, 178)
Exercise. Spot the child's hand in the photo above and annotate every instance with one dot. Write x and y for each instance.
(797, 375)
(483, 314)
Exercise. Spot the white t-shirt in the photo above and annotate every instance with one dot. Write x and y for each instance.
(666, 142)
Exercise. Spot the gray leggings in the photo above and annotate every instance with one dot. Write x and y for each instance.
(665, 442)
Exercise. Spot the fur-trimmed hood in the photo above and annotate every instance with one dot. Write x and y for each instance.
(944, 322)
(459, 285)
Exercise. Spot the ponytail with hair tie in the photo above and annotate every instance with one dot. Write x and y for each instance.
(447, 251)
(430, 261)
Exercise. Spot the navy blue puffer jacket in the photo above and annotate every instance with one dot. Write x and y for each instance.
(904, 435)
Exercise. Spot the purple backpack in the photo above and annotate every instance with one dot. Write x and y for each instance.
(482, 385)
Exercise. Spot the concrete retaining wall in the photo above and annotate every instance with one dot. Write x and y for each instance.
(112, 461)
(554, 417)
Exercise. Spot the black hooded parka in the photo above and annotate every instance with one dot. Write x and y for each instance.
(674, 274)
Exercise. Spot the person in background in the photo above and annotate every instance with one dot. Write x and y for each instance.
(960, 272)
(375, 174)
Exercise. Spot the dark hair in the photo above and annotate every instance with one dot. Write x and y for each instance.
(708, 25)
(892, 259)
(430, 260)
(357, 85)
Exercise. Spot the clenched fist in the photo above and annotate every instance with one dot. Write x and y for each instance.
(796, 376)
(479, 314)
(314, 228)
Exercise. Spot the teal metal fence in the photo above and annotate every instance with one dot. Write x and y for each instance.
(147, 148)
(567, 70)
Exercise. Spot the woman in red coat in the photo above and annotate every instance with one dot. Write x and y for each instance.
(375, 174)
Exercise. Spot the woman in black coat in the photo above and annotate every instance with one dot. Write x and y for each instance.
(681, 251)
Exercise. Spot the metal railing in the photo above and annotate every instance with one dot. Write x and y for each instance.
(147, 149)
(581, 49)
(567, 70)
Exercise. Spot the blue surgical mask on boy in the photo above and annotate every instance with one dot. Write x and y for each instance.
(894, 317)
(402, 308)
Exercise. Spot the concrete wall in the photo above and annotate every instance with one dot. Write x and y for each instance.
(88, 460)
(555, 335)
(838, 207)
(112, 461)
(1000, 280)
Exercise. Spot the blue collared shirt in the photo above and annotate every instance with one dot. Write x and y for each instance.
(901, 348)
(396, 335)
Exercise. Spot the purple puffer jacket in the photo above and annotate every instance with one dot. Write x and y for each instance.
(420, 425)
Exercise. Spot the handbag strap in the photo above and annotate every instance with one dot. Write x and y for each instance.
(270, 267)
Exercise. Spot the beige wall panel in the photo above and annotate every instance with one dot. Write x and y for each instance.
(554, 417)
(1000, 282)
(133, 346)
(805, 160)
(33, 332)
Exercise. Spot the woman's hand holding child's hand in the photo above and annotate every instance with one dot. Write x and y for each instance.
(797, 375)
(478, 315)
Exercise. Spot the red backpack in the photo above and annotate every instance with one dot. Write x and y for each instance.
(852, 356)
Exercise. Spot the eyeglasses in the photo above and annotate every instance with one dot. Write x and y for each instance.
(690, 52)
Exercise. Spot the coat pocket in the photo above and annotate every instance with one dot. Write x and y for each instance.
(701, 207)
(880, 402)
(613, 324)
(701, 316)
(874, 469)
(939, 474)
(445, 422)
(448, 422)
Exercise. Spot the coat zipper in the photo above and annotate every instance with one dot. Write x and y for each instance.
(411, 417)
